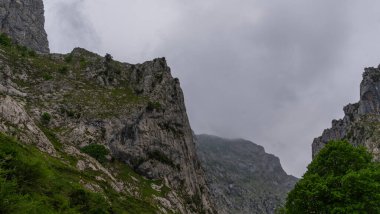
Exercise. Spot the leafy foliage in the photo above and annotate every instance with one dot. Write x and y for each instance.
(45, 118)
(97, 151)
(341, 179)
(5, 40)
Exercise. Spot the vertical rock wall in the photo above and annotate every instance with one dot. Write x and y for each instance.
(23, 21)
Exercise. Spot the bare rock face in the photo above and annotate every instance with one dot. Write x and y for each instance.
(242, 177)
(23, 21)
(361, 123)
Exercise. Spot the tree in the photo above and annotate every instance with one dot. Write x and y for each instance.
(341, 179)
(108, 58)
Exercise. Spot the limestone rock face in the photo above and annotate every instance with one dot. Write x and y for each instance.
(136, 111)
(243, 178)
(23, 21)
(361, 123)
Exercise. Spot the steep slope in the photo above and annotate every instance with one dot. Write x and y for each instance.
(24, 22)
(242, 177)
(361, 123)
(35, 182)
(62, 103)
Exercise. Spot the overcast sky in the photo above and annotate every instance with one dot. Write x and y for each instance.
(273, 72)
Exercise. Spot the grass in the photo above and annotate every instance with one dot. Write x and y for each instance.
(34, 182)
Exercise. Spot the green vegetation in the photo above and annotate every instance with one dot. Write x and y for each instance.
(97, 151)
(31, 182)
(45, 118)
(64, 69)
(5, 40)
(153, 106)
(341, 179)
(68, 58)
(34, 182)
(108, 58)
(103, 103)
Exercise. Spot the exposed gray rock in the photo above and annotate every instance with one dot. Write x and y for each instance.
(361, 123)
(23, 21)
(242, 177)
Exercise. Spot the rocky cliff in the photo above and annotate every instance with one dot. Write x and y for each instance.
(242, 177)
(361, 123)
(62, 103)
(23, 20)
(65, 104)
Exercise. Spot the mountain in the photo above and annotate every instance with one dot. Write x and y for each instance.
(24, 22)
(118, 130)
(243, 178)
(361, 122)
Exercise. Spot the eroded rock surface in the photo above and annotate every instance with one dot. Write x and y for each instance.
(23, 21)
(361, 123)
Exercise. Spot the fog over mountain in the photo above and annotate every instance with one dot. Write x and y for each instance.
(273, 72)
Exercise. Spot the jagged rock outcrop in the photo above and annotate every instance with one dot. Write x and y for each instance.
(361, 123)
(242, 177)
(24, 22)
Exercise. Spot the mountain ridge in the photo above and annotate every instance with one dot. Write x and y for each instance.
(242, 177)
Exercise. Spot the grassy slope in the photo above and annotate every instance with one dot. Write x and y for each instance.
(34, 182)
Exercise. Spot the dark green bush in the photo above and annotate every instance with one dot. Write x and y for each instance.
(32, 53)
(64, 69)
(153, 106)
(97, 151)
(45, 118)
(5, 40)
(47, 76)
(68, 58)
(108, 58)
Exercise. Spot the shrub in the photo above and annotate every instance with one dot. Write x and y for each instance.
(63, 70)
(69, 58)
(153, 106)
(5, 40)
(47, 76)
(341, 179)
(108, 58)
(45, 118)
(97, 151)
(32, 53)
